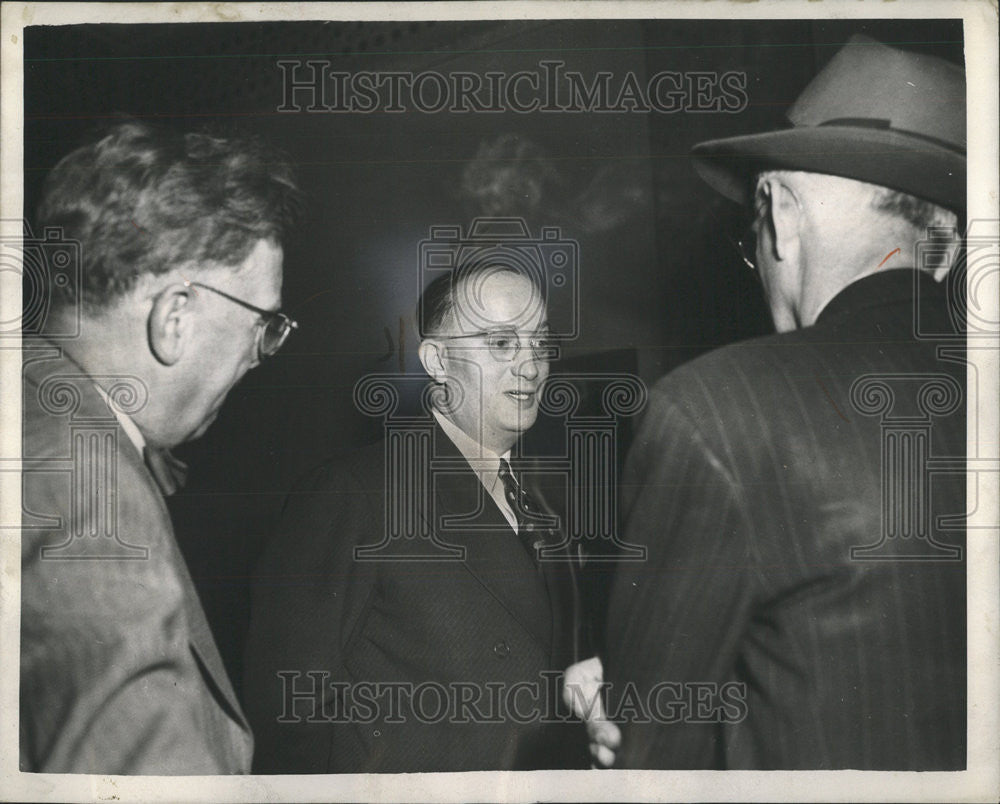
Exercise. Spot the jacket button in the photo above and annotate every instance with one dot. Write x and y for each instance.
(502, 649)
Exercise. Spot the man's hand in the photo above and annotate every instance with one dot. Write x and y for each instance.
(582, 684)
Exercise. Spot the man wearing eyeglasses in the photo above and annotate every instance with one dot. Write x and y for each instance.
(803, 605)
(176, 267)
(404, 658)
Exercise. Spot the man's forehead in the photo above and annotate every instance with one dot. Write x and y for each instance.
(498, 298)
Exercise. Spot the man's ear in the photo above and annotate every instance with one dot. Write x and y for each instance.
(431, 355)
(783, 219)
(169, 324)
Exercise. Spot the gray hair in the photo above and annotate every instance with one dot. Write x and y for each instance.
(919, 214)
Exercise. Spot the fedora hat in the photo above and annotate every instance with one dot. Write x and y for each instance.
(875, 114)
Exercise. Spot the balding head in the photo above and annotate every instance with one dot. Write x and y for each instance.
(484, 341)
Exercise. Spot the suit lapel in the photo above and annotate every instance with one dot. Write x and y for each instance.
(203, 643)
(559, 570)
(200, 634)
(466, 516)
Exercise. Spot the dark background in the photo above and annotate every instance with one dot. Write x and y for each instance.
(660, 280)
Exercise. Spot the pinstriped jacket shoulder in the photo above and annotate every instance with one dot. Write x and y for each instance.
(800, 546)
(119, 670)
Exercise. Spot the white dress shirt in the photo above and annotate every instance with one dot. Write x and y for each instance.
(129, 426)
(484, 463)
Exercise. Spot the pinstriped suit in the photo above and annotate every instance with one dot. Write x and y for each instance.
(751, 479)
(119, 670)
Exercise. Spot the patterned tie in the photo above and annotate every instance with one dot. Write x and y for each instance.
(527, 514)
(169, 473)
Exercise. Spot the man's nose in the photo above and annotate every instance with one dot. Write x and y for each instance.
(526, 364)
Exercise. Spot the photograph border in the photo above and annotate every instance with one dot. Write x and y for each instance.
(981, 780)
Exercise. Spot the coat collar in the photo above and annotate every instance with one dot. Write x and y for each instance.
(895, 286)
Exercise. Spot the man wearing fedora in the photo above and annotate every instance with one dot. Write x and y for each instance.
(803, 601)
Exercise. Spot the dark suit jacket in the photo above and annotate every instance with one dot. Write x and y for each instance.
(752, 478)
(473, 629)
(119, 671)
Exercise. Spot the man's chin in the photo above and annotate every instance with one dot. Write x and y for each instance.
(523, 420)
(202, 428)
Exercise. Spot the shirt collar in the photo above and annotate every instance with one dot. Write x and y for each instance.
(484, 462)
(129, 426)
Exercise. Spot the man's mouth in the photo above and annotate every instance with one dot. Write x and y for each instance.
(521, 396)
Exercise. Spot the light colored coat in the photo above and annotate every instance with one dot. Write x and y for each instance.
(119, 670)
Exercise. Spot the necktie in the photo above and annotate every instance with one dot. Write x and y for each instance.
(526, 513)
(168, 472)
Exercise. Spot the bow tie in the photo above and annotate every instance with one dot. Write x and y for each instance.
(169, 473)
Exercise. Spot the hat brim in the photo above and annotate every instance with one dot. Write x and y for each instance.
(885, 157)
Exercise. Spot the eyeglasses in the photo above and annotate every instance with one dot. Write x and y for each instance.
(747, 244)
(505, 345)
(275, 326)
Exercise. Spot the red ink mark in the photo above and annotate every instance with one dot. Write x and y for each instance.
(832, 403)
(887, 256)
